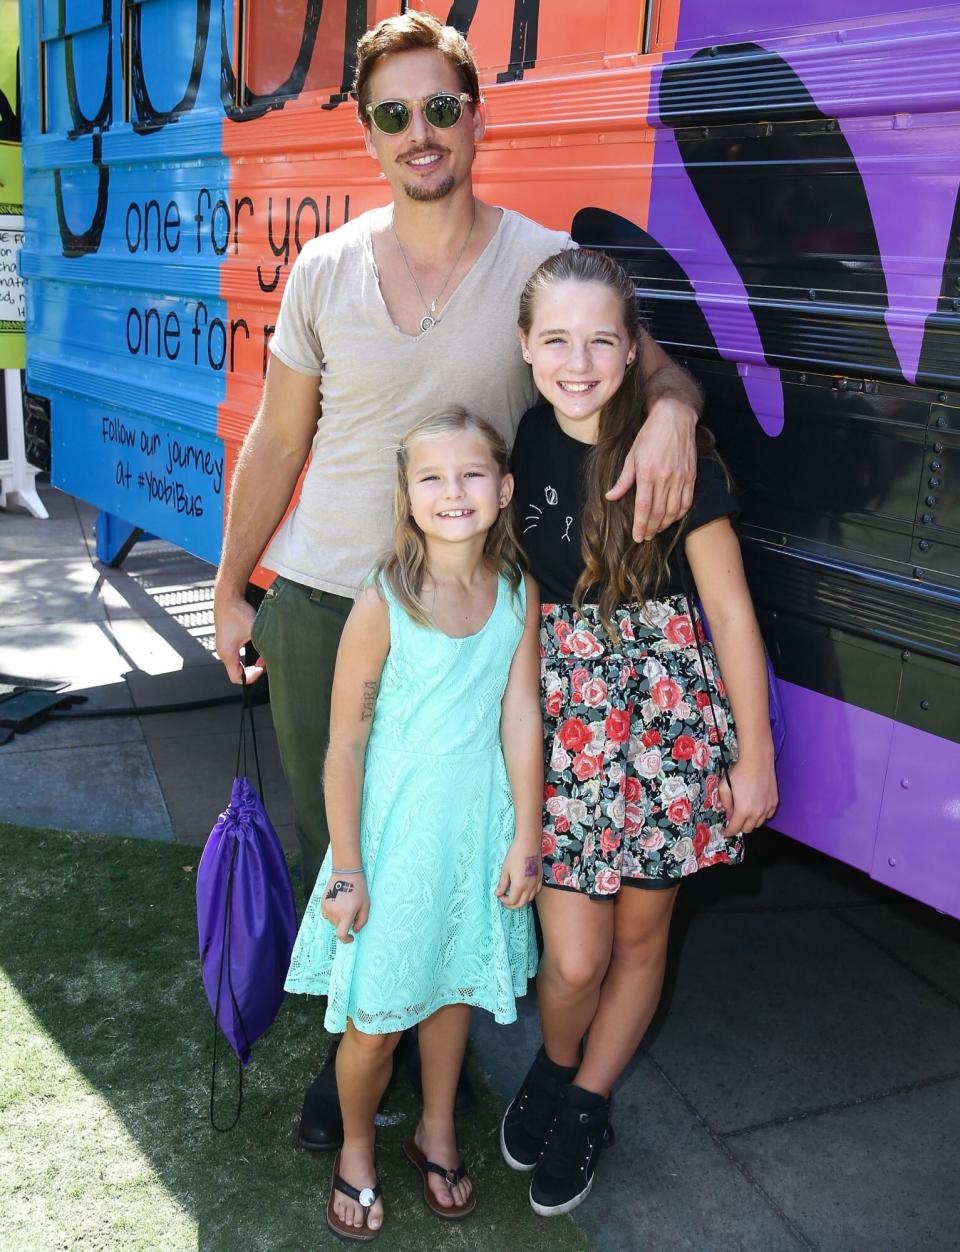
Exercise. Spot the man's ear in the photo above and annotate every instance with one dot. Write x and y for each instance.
(479, 120)
(368, 141)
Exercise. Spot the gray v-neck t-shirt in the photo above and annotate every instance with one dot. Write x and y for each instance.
(377, 381)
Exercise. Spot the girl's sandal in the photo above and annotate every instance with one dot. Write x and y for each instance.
(450, 1176)
(364, 1197)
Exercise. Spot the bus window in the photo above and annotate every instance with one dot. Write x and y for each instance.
(291, 46)
(76, 68)
(704, 23)
(514, 37)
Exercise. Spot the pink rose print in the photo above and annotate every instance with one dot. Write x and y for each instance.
(633, 819)
(577, 679)
(648, 765)
(548, 843)
(561, 874)
(679, 631)
(617, 725)
(574, 734)
(701, 755)
(563, 631)
(679, 811)
(609, 840)
(712, 793)
(650, 738)
(632, 790)
(594, 693)
(586, 766)
(607, 882)
(584, 644)
(666, 693)
(554, 704)
(683, 748)
(701, 837)
(652, 839)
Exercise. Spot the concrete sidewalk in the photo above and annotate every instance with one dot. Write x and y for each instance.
(801, 1088)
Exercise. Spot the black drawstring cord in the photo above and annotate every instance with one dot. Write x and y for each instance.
(246, 708)
(686, 575)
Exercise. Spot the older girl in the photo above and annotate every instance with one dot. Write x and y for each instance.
(641, 789)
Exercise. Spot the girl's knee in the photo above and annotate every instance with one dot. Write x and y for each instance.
(575, 973)
(641, 947)
(369, 1044)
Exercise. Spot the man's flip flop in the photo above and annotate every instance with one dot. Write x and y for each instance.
(365, 1197)
(450, 1176)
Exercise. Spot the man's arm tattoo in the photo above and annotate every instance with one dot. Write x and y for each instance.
(339, 888)
(369, 700)
(532, 868)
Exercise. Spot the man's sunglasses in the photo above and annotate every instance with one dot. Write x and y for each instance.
(442, 110)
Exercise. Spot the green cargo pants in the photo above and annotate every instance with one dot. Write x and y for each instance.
(297, 631)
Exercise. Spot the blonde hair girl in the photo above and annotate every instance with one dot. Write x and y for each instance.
(433, 782)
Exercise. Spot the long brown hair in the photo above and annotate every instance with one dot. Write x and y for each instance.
(622, 569)
(405, 566)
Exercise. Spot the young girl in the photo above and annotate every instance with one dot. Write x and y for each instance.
(638, 726)
(433, 786)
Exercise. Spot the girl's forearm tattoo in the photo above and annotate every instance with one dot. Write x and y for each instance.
(339, 888)
(532, 867)
(369, 700)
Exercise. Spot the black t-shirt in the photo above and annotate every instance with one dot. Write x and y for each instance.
(550, 494)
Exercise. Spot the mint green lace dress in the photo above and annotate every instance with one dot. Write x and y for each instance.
(437, 821)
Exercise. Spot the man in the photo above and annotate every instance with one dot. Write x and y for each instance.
(397, 313)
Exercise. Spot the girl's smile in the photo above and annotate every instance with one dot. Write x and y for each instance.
(579, 348)
(455, 488)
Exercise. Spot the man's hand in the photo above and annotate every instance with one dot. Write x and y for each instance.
(663, 465)
(233, 620)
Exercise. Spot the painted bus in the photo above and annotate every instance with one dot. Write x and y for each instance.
(782, 182)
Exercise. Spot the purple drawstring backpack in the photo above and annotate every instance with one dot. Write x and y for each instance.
(246, 917)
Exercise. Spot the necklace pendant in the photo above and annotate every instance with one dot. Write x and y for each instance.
(427, 321)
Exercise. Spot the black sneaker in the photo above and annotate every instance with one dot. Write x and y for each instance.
(527, 1121)
(564, 1174)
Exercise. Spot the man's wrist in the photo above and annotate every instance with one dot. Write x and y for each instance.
(227, 588)
(680, 411)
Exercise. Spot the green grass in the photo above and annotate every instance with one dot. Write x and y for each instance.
(105, 1049)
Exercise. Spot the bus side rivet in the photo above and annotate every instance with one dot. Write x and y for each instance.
(892, 861)
(924, 704)
(905, 783)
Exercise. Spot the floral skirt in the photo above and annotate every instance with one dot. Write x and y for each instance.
(632, 732)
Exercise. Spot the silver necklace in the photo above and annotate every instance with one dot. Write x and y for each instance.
(428, 318)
